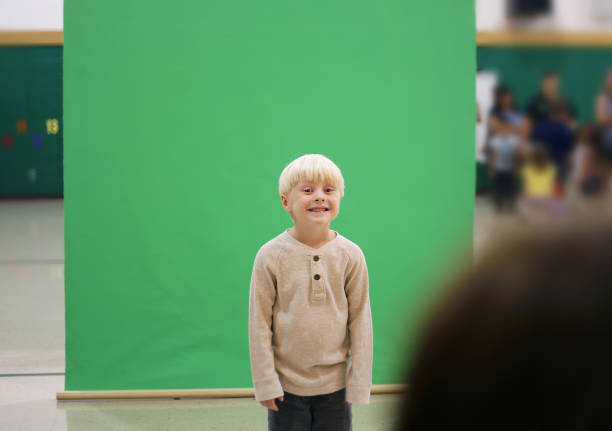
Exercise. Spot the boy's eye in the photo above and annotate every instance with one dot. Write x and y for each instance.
(307, 190)
(329, 190)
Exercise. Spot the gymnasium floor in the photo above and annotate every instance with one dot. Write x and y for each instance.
(32, 344)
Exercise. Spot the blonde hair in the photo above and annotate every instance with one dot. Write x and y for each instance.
(310, 167)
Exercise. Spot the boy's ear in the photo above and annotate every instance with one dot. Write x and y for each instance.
(285, 202)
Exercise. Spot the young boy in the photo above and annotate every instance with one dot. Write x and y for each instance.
(310, 325)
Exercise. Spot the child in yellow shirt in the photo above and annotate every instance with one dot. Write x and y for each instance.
(539, 175)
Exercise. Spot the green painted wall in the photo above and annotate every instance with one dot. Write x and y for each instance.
(179, 120)
(582, 72)
(31, 91)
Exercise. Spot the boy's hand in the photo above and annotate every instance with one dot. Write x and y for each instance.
(270, 404)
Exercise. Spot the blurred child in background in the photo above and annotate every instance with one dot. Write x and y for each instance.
(539, 178)
(504, 110)
(586, 178)
(507, 130)
(604, 138)
(603, 112)
(504, 148)
(539, 174)
(592, 171)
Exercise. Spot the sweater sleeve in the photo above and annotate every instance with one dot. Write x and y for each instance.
(359, 377)
(262, 295)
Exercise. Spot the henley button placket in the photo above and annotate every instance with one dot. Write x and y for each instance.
(318, 291)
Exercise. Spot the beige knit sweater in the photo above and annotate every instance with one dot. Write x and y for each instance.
(310, 324)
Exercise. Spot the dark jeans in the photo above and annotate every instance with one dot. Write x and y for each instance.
(504, 190)
(328, 412)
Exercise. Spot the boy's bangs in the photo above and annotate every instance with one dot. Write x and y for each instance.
(311, 167)
(324, 176)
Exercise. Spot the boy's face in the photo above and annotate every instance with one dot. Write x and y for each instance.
(312, 203)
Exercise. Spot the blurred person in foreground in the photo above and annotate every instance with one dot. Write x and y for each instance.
(521, 340)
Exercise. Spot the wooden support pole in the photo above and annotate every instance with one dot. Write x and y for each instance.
(189, 393)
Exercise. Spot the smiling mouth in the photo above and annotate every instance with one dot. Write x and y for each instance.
(318, 210)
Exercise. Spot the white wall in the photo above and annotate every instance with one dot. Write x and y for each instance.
(584, 15)
(490, 15)
(485, 84)
(568, 15)
(32, 14)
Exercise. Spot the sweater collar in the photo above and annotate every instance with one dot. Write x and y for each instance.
(307, 247)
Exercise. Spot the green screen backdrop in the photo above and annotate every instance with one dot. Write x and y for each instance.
(179, 118)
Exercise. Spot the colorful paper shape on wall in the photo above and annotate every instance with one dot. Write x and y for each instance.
(52, 126)
(7, 141)
(22, 127)
(37, 141)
